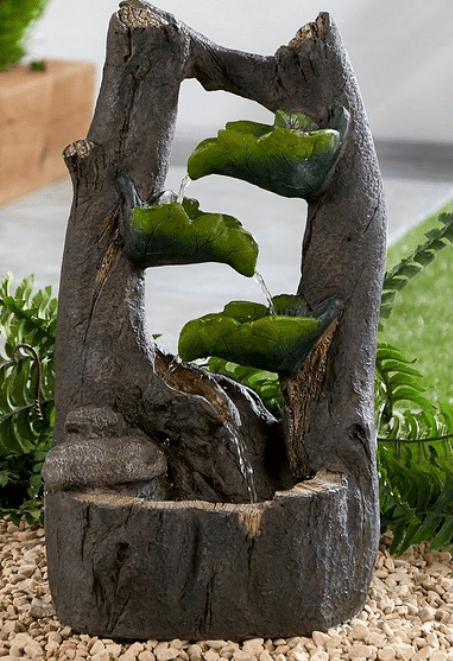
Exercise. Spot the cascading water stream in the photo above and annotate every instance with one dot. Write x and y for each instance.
(182, 189)
(244, 465)
(260, 280)
(234, 420)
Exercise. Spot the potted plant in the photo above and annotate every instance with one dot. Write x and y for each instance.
(43, 106)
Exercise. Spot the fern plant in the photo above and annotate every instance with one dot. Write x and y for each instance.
(27, 379)
(401, 274)
(415, 454)
(415, 437)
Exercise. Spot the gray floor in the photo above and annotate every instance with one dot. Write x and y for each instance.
(32, 232)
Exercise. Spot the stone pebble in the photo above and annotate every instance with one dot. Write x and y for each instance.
(408, 616)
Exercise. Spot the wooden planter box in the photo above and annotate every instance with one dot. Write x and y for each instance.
(40, 113)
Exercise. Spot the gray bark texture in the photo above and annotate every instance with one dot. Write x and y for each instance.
(150, 533)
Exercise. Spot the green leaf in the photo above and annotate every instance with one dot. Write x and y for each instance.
(15, 517)
(299, 121)
(396, 283)
(447, 412)
(445, 535)
(290, 304)
(15, 21)
(399, 367)
(402, 273)
(405, 377)
(402, 393)
(292, 158)
(409, 533)
(387, 351)
(276, 343)
(427, 529)
(243, 311)
(25, 288)
(176, 233)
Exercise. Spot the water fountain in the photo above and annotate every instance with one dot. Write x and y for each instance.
(152, 523)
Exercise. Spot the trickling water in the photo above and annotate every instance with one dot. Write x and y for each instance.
(182, 189)
(244, 465)
(260, 280)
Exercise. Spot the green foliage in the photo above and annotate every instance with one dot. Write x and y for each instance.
(249, 334)
(15, 18)
(265, 384)
(174, 233)
(415, 454)
(400, 275)
(415, 437)
(27, 379)
(416, 481)
(38, 65)
(293, 157)
(422, 316)
(416, 502)
(396, 381)
(21, 486)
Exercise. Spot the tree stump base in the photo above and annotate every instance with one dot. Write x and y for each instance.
(130, 568)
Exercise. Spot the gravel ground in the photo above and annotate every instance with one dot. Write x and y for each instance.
(408, 616)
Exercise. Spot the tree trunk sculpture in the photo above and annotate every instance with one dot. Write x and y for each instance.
(150, 528)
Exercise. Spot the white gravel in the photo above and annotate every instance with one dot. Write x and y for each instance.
(408, 616)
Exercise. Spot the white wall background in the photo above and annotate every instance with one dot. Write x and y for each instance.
(402, 52)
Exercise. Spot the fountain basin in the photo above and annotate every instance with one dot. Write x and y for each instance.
(129, 568)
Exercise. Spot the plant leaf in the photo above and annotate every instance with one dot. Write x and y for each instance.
(402, 273)
(276, 343)
(174, 233)
(292, 158)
